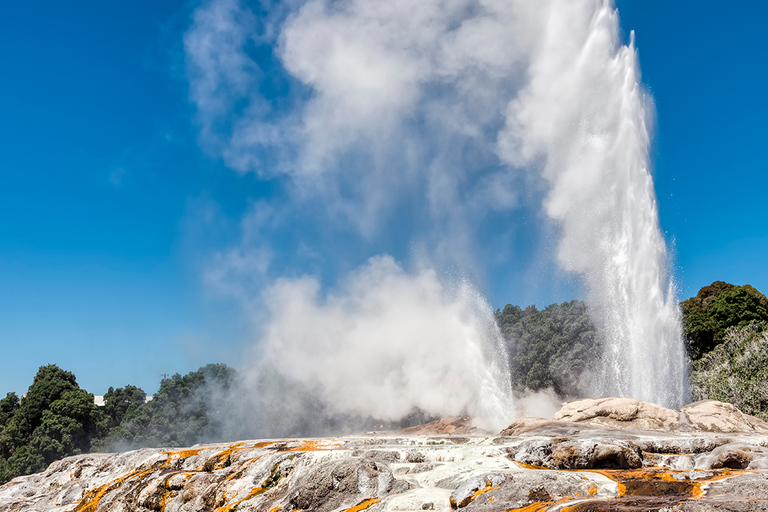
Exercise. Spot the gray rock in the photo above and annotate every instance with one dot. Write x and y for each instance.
(344, 483)
(491, 493)
(579, 454)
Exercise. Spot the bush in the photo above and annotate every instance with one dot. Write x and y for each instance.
(736, 370)
(715, 309)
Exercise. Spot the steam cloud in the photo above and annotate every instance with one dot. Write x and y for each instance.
(452, 111)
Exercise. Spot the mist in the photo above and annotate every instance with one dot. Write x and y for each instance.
(441, 125)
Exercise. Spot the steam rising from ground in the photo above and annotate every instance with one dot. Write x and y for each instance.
(388, 341)
(437, 120)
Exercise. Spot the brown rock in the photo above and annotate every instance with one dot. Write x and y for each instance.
(524, 425)
(622, 413)
(714, 416)
(445, 426)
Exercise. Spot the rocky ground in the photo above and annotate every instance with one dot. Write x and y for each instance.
(596, 455)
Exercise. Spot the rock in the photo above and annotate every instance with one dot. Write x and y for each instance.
(338, 484)
(593, 461)
(445, 426)
(714, 416)
(621, 413)
(579, 454)
(736, 455)
(469, 489)
(524, 425)
(492, 493)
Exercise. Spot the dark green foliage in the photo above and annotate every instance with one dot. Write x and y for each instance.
(122, 403)
(68, 426)
(23, 462)
(551, 348)
(55, 419)
(49, 384)
(181, 413)
(8, 407)
(716, 308)
(736, 371)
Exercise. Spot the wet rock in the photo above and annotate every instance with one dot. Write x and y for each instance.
(468, 489)
(734, 456)
(581, 454)
(177, 482)
(578, 465)
(507, 492)
(704, 506)
(739, 486)
(386, 456)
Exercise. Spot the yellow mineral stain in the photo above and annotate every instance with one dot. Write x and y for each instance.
(91, 500)
(182, 454)
(245, 465)
(488, 487)
(311, 445)
(364, 505)
(533, 507)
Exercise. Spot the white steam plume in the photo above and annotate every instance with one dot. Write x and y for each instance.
(389, 341)
(433, 108)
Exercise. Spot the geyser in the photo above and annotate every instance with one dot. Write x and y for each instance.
(435, 122)
(585, 113)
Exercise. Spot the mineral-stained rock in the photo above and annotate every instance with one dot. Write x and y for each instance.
(494, 492)
(524, 425)
(713, 459)
(630, 414)
(578, 454)
(344, 483)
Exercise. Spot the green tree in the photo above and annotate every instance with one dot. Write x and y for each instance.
(182, 412)
(68, 426)
(122, 403)
(8, 406)
(54, 419)
(49, 384)
(716, 308)
(551, 348)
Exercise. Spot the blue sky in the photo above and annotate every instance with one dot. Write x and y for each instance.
(112, 206)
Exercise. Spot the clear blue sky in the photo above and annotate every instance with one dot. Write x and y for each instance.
(109, 207)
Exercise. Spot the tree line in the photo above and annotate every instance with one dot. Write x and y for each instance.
(57, 418)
